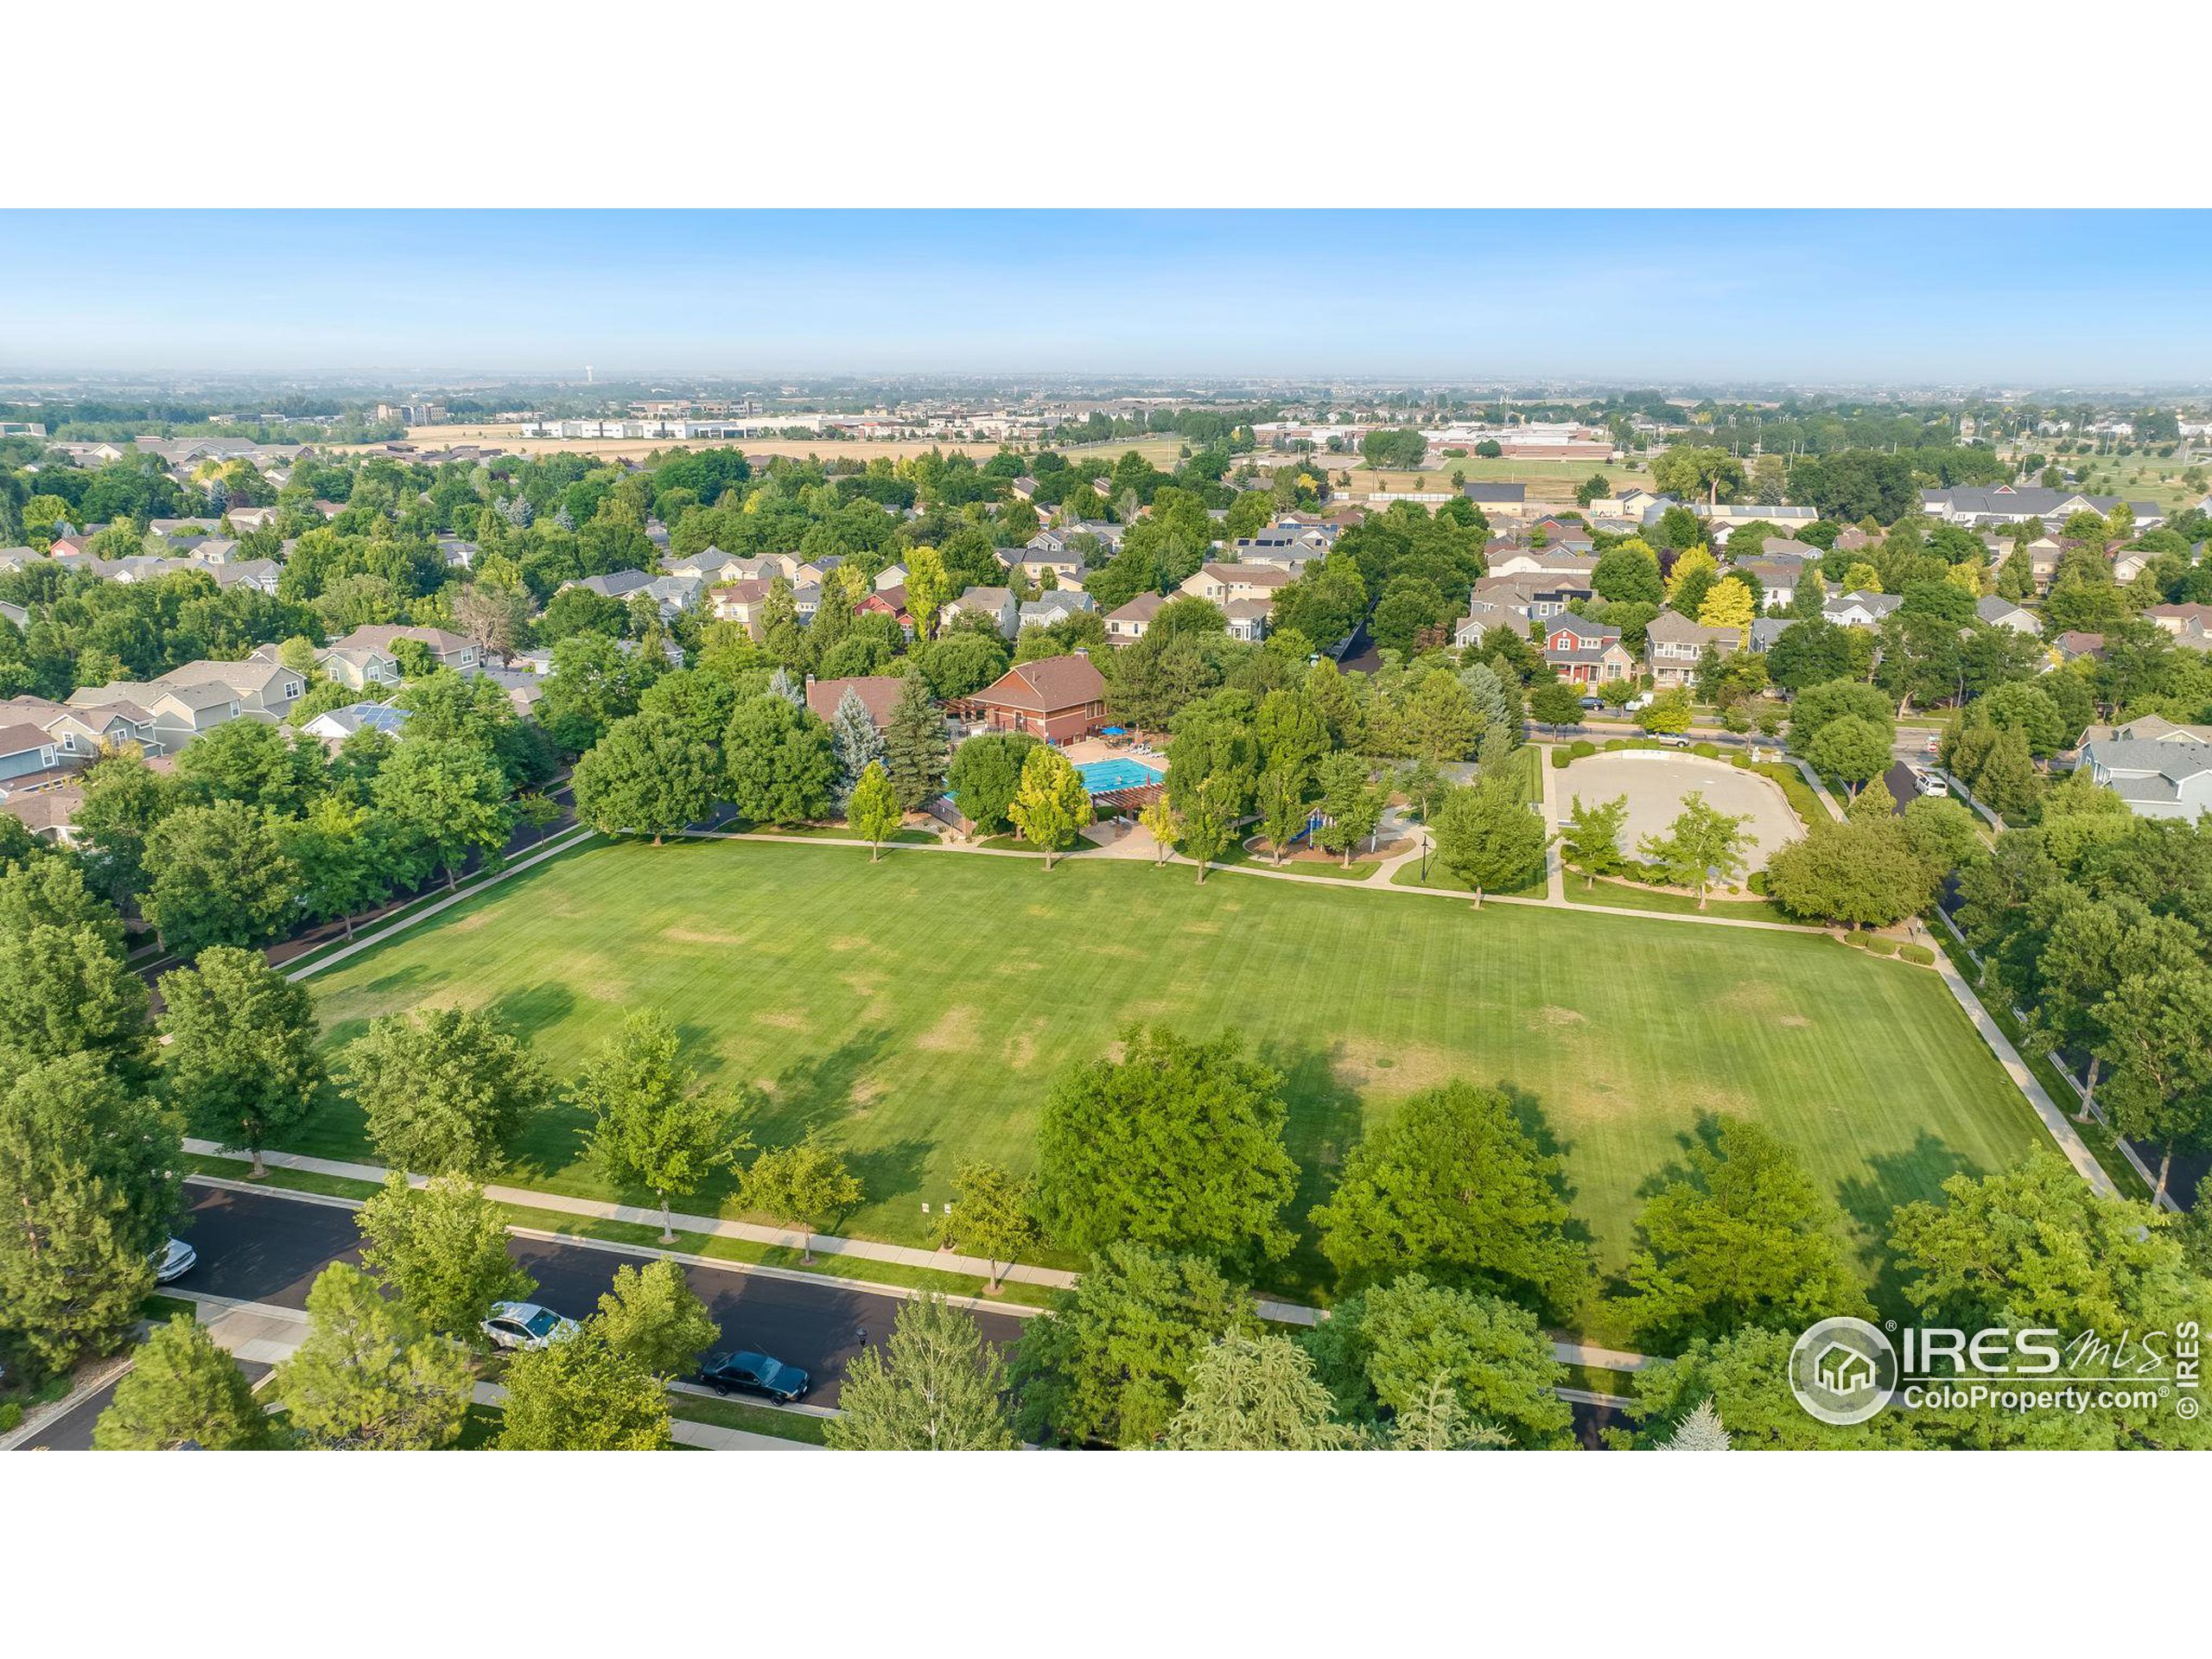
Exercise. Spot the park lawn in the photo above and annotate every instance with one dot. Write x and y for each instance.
(919, 1009)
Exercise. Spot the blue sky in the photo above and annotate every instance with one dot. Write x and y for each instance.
(2007, 297)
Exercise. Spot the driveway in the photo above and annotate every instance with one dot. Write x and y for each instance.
(1656, 780)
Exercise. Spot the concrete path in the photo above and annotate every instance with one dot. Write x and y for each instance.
(1555, 861)
(713, 1226)
(2070, 1144)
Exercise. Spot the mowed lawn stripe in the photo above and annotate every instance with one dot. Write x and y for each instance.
(920, 1007)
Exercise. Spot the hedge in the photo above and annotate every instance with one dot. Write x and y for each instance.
(1881, 947)
(1711, 752)
(1582, 748)
(1855, 939)
(1561, 759)
(1919, 953)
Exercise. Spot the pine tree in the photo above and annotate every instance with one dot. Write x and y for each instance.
(781, 684)
(859, 745)
(936, 1387)
(915, 750)
(1256, 1394)
(182, 1390)
(369, 1378)
(1700, 1431)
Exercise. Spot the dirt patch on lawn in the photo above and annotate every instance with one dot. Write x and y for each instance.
(470, 923)
(850, 942)
(1400, 1068)
(1554, 1019)
(699, 936)
(782, 1020)
(959, 1032)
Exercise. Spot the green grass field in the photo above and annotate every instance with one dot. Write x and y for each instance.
(921, 1007)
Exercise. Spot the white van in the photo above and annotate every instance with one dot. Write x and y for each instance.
(1931, 785)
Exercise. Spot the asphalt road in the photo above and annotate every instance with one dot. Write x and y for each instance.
(259, 1247)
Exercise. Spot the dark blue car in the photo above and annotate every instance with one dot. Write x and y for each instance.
(746, 1373)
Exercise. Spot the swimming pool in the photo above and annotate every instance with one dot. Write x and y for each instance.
(1101, 775)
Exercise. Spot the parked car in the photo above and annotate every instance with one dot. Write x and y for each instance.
(173, 1261)
(750, 1373)
(525, 1324)
(1593, 702)
(1931, 785)
(1675, 740)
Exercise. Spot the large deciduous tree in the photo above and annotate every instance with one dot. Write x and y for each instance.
(1052, 805)
(217, 875)
(1453, 1185)
(650, 774)
(1109, 1362)
(654, 1316)
(1741, 1236)
(583, 1394)
(1178, 1145)
(1487, 836)
(443, 801)
(651, 1124)
(1702, 845)
(244, 1058)
(781, 763)
(442, 1250)
(443, 1090)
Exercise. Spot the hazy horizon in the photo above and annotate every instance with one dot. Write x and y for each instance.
(1858, 299)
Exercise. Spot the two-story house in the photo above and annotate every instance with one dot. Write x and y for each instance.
(1585, 652)
(1673, 646)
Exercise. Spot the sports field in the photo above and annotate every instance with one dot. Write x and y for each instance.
(920, 1007)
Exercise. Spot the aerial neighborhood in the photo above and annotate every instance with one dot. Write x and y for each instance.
(1365, 884)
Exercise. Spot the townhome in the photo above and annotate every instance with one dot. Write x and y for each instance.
(1586, 653)
(1543, 561)
(334, 726)
(1673, 646)
(28, 756)
(264, 683)
(889, 601)
(710, 565)
(671, 594)
(1777, 580)
(1033, 564)
(179, 713)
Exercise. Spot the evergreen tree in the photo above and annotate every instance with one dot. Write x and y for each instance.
(368, 1377)
(1700, 1431)
(936, 1386)
(182, 1390)
(916, 752)
(1256, 1394)
(858, 744)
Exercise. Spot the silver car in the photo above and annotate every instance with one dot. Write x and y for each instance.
(173, 1261)
(525, 1324)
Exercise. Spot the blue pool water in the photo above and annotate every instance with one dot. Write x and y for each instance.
(1099, 776)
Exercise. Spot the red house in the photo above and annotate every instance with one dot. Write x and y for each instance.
(1057, 698)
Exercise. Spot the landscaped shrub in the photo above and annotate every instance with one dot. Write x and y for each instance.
(1583, 746)
(11, 1415)
(1919, 953)
(1711, 752)
(1756, 882)
(1856, 940)
(1880, 947)
(1741, 762)
(1561, 760)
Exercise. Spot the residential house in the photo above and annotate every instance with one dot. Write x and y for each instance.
(710, 564)
(264, 682)
(1673, 646)
(1248, 619)
(1065, 569)
(1130, 621)
(2013, 504)
(997, 603)
(1636, 506)
(2003, 614)
(745, 602)
(1586, 653)
(887, 602)
(1497, 500)
(1223, 582)
(1859, 609)
(177, 712)
(334, 726)
(26, 753)
(260, 575)
(1055, 607)
(1058, 699)
(879, 695)
(1777, 581)
(2076, 642)
(1549, 561)
(2161, 770)
(1766, 630)
(1024, 488)
(348, 659)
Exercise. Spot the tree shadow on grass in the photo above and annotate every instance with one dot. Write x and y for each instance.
(1871, 1200)
(1705, 1132)
(1326, 1117)
(527, 1011)
(892, 1172)
(817, 1090)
